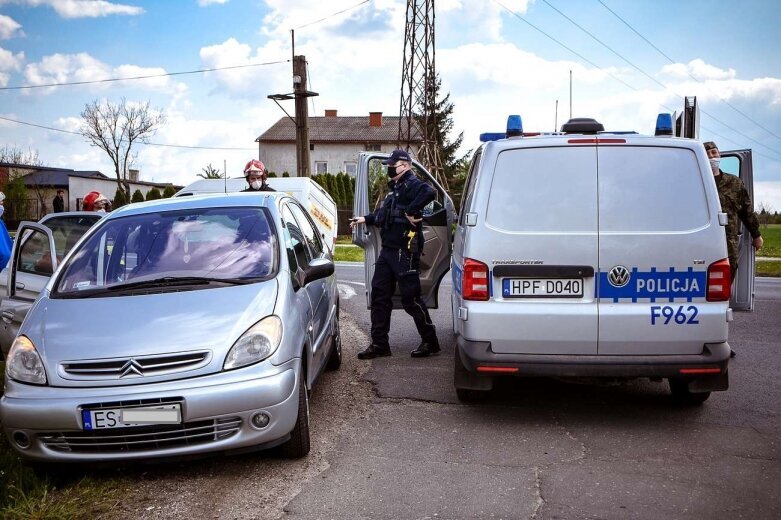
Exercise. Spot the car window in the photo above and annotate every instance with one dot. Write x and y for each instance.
(67, 230)
(214, 243)
(35, 254)
(298, 241)
(469, 187)
(308, 229)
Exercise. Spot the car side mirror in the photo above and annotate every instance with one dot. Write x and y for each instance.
(317, 269)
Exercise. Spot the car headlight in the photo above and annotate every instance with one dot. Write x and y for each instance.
(24, 364)
(259, 342)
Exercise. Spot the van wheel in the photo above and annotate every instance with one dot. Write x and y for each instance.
(461, 376)
(335, 358)
(298, 444)
(682, 395)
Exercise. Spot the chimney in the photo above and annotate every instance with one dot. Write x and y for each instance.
(329, 112)
(132, 175)
(375, 118)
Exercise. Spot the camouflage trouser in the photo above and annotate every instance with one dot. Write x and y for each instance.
(733, 250)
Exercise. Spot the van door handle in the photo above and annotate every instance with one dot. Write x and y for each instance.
(19, 285)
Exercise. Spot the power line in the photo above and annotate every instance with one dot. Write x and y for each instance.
(140, 142)
(332, 15)
(149, 76)
(687, 72)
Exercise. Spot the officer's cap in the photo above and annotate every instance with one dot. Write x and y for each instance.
(396, 156)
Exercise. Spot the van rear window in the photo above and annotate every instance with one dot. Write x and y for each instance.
(544, 190)
(650, 189)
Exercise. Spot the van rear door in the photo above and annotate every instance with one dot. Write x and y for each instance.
(658, 233)
(438, 218)
(739, 163)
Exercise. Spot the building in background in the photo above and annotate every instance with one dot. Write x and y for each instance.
(334, 142)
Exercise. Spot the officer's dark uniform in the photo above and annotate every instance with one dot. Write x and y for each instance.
(399, 262)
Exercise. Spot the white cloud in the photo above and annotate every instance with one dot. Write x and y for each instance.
(9, 28)
(767, 194)
(204, 3)
(9, 62)
(65, 68)
(83, 8)
(698, 69)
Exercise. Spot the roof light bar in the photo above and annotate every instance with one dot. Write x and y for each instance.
(514, 125)
(664, 124)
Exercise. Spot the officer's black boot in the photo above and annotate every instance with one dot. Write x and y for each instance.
(426, 349)
(373, 351)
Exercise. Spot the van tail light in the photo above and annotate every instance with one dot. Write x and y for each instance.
(719, 281)
(474, 281)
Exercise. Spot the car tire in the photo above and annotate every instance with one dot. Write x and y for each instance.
(298, 444)
(679, 388)
(335, 357)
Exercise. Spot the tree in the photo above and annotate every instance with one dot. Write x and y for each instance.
(116, 129)
(153, 194)
(137, 196)
(169, 192)
(16, 200)
(210, 172)
(15, 155)
(119, 199)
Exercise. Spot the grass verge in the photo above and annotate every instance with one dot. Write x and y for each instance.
(346, 253)
(769, 268)
(771, 234)
(26, 496)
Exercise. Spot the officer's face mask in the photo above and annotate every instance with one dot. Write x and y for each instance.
(255, 185)
(714, 164)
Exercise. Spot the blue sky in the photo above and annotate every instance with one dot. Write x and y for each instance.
(490, 59)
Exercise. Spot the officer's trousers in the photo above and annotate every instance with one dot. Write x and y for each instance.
(398, 266)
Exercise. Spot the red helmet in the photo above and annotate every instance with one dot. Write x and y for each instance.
(91, 198)
(254, 166)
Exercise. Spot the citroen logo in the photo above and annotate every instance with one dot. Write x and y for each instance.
(618, 276)
(131, 368)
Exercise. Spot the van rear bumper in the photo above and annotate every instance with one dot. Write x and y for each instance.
(476, 354)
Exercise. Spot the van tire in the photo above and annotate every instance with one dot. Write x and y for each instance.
(298, 444)
(335, 357)
(683, 396)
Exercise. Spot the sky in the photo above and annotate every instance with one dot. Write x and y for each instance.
(630, 60)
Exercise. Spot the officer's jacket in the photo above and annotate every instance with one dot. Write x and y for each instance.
(263, 187)
(406, 196)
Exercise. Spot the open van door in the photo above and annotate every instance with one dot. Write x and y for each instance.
(738, 162)
(371, 186)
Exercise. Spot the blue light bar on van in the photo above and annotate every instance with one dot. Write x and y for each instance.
(514, 125)
(492, 136)
(664, 124)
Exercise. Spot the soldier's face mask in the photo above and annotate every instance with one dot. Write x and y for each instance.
(714, 164)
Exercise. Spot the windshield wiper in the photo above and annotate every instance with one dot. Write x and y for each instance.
(171, 281)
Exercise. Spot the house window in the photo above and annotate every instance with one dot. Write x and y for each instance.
(373, 147)
(321, 167)
(351, 168)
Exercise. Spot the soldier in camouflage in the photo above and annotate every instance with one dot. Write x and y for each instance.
(736, 203)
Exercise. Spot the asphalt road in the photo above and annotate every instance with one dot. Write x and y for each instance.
(390, 440)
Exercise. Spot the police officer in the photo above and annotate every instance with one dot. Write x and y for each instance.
(256, 174)
(399, 218)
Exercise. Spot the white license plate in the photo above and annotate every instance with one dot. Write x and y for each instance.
(542, 288)
(136, 416)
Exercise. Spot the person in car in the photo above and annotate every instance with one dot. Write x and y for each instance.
(256, 174)
(96, 201)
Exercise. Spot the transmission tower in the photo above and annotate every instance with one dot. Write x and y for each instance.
(418, 87)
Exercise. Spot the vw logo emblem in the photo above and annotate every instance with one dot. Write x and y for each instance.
(618, 276)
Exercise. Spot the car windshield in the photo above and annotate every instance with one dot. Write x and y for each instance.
(193, 246)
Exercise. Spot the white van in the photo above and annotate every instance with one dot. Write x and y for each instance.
(311, 195)
(591, 253)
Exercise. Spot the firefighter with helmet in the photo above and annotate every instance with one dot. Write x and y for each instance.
(256, 174)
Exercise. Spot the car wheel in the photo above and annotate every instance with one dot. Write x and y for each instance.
(335, 358)
(682, 395)
(298, 444)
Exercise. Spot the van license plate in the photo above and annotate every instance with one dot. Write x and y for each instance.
(125, 417)
(542, 288)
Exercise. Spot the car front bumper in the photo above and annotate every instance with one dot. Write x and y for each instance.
(216, 415)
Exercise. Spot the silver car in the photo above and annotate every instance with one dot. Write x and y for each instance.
(30, 265)
(177, 327)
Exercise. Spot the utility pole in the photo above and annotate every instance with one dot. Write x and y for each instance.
(302, 116)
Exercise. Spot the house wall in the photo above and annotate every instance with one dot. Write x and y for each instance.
(79, 186)
(281, 157)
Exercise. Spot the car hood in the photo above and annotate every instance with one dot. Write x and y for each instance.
(152, 329)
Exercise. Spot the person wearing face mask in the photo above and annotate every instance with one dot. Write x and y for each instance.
(96, 201)
(256, 174)
(5, 239)
(400, 219)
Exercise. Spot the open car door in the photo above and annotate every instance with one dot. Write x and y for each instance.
(738, 162)
(33, 260)
(371, 186)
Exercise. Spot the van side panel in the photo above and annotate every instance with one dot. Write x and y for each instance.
(658, 224)
(536, 220)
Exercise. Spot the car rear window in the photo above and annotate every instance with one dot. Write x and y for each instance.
(643, 189)
(208, 243)
(544, 190)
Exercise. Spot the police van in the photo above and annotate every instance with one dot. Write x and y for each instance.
(591, 253)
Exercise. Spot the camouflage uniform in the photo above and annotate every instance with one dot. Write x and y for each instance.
(736, 203)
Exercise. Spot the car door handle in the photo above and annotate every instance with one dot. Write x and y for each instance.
(19, 285)
(8, 316)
